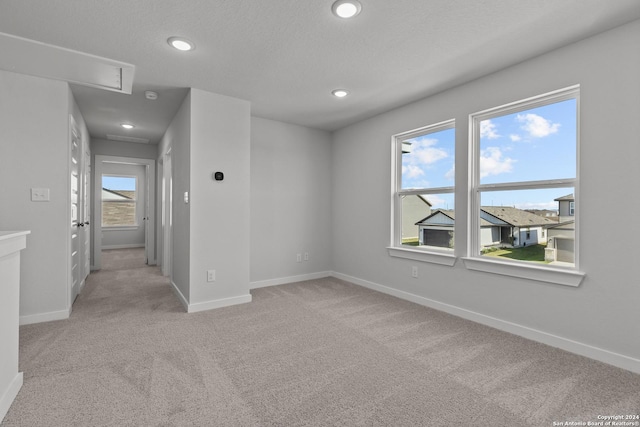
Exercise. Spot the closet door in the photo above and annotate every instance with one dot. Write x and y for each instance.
(76, 224)
(86, 212)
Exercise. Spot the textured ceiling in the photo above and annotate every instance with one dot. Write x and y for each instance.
(285, 56)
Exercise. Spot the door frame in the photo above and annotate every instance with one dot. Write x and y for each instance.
(165, 184)
(150, 190)
(167, 218)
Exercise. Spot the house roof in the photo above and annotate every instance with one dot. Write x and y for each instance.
(111, 195)
(568, 197)
(516, 217)
(563, 224)
(424, 199)
(450, 214)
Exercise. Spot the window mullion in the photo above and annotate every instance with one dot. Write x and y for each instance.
(525, 185)
(418, 191)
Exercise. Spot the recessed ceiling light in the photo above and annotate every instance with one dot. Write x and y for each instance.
(340, 93)
(346, 8)
(181, 43)
(149, 94)
(127, 125)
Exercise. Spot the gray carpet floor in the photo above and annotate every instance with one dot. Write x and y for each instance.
(322, 353)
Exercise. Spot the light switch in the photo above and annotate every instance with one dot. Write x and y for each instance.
(186, 197)
(40, 195)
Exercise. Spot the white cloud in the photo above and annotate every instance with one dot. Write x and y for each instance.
(430, 155)
(451, 173)
(493, 163)
(411, 171)
(435, 200)
(515, 138)
(424, 153)
(537, 126)
(488, 130)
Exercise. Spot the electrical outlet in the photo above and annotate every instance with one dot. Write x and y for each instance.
(211, 275)
(306, 256)
(414, 272)
(298, 257)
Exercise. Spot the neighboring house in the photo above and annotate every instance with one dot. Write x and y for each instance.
(516, 227)
(566, 207)
(499, 226)
(118, 208)
(547, 213)
(561, 236)
(437, 229)
(414, 208)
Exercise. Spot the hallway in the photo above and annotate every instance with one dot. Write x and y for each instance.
(92, 359)
(122, 259)
(125, 285)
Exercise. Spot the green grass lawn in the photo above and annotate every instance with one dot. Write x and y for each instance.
(533, 253)
(411, 242)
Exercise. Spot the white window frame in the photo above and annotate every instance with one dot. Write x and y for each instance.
(123, 227)
(572, 208)
(442, 256)
(570, 276)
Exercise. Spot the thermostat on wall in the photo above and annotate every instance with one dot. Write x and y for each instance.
(218, 176)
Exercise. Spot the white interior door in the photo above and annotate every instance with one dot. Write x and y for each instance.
(147, 231)
(86, 212)
(74, 170)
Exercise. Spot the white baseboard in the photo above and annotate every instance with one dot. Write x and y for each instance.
(208, 305)
(127, 246)
(290, 279)
(181, 297)
(218, 303)
(602, 355)
(45, 317)
(10, 394)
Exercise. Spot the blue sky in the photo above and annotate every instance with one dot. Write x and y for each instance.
(536, 144)
(431, 165)
(118, 183)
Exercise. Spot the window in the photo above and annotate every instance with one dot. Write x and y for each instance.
(423, 193)
(572, 208)
(523, 161)
(119, 201)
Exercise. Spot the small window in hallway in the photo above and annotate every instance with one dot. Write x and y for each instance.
(119, 201)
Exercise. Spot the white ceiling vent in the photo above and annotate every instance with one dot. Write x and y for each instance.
(127, 139)
(25, 56)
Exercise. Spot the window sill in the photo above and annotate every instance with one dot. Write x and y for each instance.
(559, 276)
(441, 258)
(120, 228)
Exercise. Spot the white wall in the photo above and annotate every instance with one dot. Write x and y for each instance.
(290, 201)
(177, 138)
(603, 312)
(34, 153)
(219, 213)
(105, 147)
(131, 237)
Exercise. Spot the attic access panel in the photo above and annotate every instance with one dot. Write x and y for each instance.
(33, 58)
